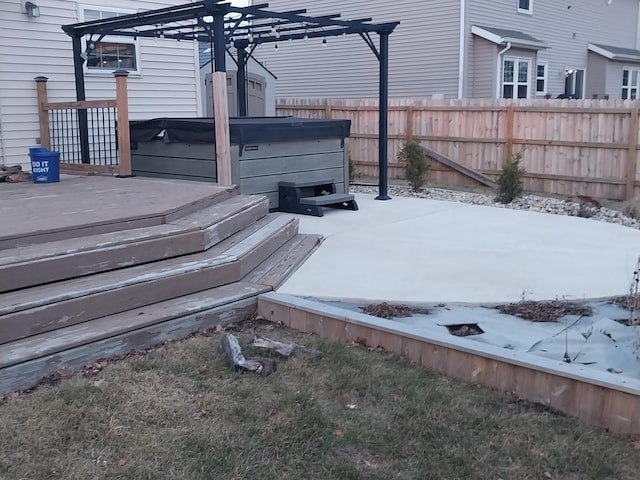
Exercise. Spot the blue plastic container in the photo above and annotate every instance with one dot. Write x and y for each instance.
(45, 165)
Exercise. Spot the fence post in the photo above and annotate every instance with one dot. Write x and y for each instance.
(409, 123)
(509, 128)
(43, 115)
(124, 141)
(632, 155)
(327, 111)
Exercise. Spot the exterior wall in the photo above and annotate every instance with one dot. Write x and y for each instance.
(567, 27)
(597, 66)
(30, 47)
(483, 72)
(424, 52)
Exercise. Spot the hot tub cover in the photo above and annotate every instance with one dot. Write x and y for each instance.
(242, 131)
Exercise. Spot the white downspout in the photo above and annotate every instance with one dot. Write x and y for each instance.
(463, 39)
(499, 69)
(638, 29)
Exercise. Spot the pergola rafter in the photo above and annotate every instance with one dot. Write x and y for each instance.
(223, 25)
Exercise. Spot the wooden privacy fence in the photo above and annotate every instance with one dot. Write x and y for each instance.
(85, 132)
(568, 147)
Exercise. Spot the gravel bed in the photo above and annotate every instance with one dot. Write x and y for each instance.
(533, 203)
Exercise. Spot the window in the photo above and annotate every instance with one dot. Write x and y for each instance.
(515, 77)
(112, 52)
(525, 6)
(541, 79)
(629, 83)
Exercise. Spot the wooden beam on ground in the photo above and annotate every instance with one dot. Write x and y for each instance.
(466, 171)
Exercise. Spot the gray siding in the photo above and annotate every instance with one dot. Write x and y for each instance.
(483, 68)
(30, 47)
(597, 78)
(424, 52)
(566, 30)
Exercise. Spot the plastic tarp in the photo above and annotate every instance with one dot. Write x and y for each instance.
(242, 131)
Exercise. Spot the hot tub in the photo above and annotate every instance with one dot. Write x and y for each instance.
(264, 151)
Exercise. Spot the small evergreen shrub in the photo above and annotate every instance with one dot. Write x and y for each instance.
(510, 181)
(416, 165)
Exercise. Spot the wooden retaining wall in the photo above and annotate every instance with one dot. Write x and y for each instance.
(568, 147)
(598, 398)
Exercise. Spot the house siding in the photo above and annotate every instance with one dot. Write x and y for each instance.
(597, 78)
(483, 71)
(423, 52)
(567, 27)
(30, 47)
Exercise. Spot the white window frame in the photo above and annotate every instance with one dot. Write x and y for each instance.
(110, 38)
(527, 11)
(516, 61)
(544, 78)
(630, 87)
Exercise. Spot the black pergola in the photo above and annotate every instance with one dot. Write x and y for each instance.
(245, 28)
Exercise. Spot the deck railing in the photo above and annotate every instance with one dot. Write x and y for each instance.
(86, 132)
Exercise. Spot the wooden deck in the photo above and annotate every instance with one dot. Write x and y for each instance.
(163, 258)
(79, 206)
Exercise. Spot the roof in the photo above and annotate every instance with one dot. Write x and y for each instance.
(615, 53)
(501, 36)
(205, 56)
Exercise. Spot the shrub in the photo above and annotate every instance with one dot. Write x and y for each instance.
(352, 170)
(631, 208)
(416, 165)
(510, 184)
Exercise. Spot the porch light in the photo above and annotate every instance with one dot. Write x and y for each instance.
(32, 9)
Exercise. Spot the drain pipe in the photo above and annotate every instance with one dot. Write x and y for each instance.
(499, 69)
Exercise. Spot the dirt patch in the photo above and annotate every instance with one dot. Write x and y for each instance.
(465, 329)
(387, 310)
(544, 311)
(626, 301)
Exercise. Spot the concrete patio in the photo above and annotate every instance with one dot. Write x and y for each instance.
(422, 251)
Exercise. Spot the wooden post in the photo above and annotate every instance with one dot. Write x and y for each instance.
(43, 115)
(327, 112)
(409, 123)
(508, 153)
(632, 155)
(124, 142)
(221, 114)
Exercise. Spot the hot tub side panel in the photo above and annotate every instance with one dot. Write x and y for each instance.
(182, 161)
(262, 166)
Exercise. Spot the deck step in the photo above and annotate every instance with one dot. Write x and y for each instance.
(131, 219)
(40, 264)
(276, 269)
(49, 307)
(24, 362)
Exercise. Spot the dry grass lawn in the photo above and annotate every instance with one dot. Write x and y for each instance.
(180, 413)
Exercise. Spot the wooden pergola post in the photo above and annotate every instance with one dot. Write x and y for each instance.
(220, 105)
(43, 115)
(124, 140)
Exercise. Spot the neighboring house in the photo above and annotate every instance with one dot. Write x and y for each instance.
(469, 48)
(163, 73)
(261, 95)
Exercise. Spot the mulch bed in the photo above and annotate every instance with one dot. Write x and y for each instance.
(386, 310)
(544, 311)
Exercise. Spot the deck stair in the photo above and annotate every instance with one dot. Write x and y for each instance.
(68, 301)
